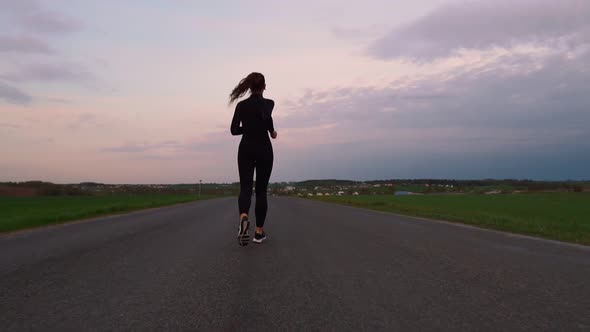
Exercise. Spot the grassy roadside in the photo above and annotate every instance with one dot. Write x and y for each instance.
(26, 212)
(558, 216)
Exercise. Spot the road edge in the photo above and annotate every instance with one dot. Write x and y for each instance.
(102, 216)
(458, 224)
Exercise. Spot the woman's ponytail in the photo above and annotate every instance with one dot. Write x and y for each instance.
(254, 82)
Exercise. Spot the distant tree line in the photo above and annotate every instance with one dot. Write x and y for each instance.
(46, 188)
(348, 186)
(529, 185)
(41, 188)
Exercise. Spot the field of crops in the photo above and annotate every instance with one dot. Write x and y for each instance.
(24, 212)
(559, 216)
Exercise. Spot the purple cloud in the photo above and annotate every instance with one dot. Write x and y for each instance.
(206, 145)
(17, 7)
(10, 125)
(511, 93)
(46, 21)
(30, 15)
(519, 111)
(485, 24)
(141, 147)
(356, 33)
(33, 18)
(50, 72)
(22, 44)
(14, 95)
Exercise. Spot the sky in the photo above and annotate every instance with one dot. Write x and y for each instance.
(137, 91)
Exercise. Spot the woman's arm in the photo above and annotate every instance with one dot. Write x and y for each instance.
(271, 125)
(235, 127)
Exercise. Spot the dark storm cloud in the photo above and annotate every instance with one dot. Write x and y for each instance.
(485, 24)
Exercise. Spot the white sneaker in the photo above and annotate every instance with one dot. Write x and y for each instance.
(243, 236)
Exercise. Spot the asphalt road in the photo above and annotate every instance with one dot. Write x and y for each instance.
(324, 267)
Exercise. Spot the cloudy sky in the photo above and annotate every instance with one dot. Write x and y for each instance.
(137, 91)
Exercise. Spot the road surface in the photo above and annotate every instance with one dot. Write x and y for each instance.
(324, 267)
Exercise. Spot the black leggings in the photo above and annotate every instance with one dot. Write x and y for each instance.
(250, 156)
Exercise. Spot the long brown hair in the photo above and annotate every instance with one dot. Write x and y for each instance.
(252, 82)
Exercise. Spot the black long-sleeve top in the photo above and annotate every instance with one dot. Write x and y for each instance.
(255, 114)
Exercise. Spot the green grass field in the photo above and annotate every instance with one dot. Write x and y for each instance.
(25, 212)
(559, 216)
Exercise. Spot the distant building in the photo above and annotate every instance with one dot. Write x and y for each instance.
(493, 192)
(406, 193)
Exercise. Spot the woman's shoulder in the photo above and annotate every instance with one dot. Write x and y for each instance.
(269, 102)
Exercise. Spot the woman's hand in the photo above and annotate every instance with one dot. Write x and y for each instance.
(273, 134)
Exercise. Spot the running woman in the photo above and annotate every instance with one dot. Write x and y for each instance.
(255, 151)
